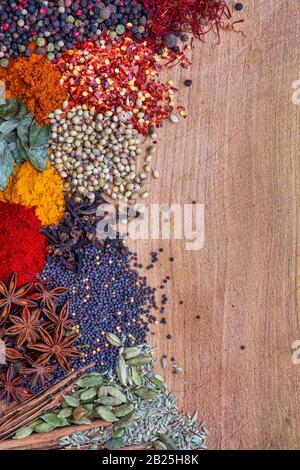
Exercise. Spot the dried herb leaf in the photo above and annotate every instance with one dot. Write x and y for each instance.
(6, 164)
(23, 131)
(6, 127)
(8, 109)
(38, 136)
(38, 156)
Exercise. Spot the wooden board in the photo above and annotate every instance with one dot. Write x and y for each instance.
(237, 153)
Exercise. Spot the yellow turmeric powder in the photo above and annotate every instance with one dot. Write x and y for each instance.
(43, 191)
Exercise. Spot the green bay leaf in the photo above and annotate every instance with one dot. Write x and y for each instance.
(38, 135)
(9, 109)
(6, 164)
(38, 156)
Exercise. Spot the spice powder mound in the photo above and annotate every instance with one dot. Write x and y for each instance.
(22, 246)
(42, 191)
(37, 82)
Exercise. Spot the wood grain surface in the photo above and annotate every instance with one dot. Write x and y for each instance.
(237, 153)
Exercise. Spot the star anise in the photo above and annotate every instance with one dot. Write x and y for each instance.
(37, 373)
(60, 319)
(11, 388)
(13, 296)
(57, 346)
(7, 351)
(48, 297)
(26, 327)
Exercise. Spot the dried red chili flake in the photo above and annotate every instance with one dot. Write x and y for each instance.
(120, 73)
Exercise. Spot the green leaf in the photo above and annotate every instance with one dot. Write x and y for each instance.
(38, 156)
(23, 131)
(8, 126)
(23, 432)
(8, 109)
(22, 110)
(21, 151)
(52, 419)
(6, 164)
(38, 136)
(11, 137)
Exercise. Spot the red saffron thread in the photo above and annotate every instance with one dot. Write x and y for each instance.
(192, 16)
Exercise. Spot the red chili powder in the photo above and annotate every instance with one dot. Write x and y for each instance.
(22, 246)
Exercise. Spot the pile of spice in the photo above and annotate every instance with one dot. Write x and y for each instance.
(56, 26)
(107, 294)
(76, 231)
(42, 191)
(37, 337)
(120, 73)
(22, 246)
(20, 139)
(198, 17)
(135, 405)
(37, 82)
(98, 151)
